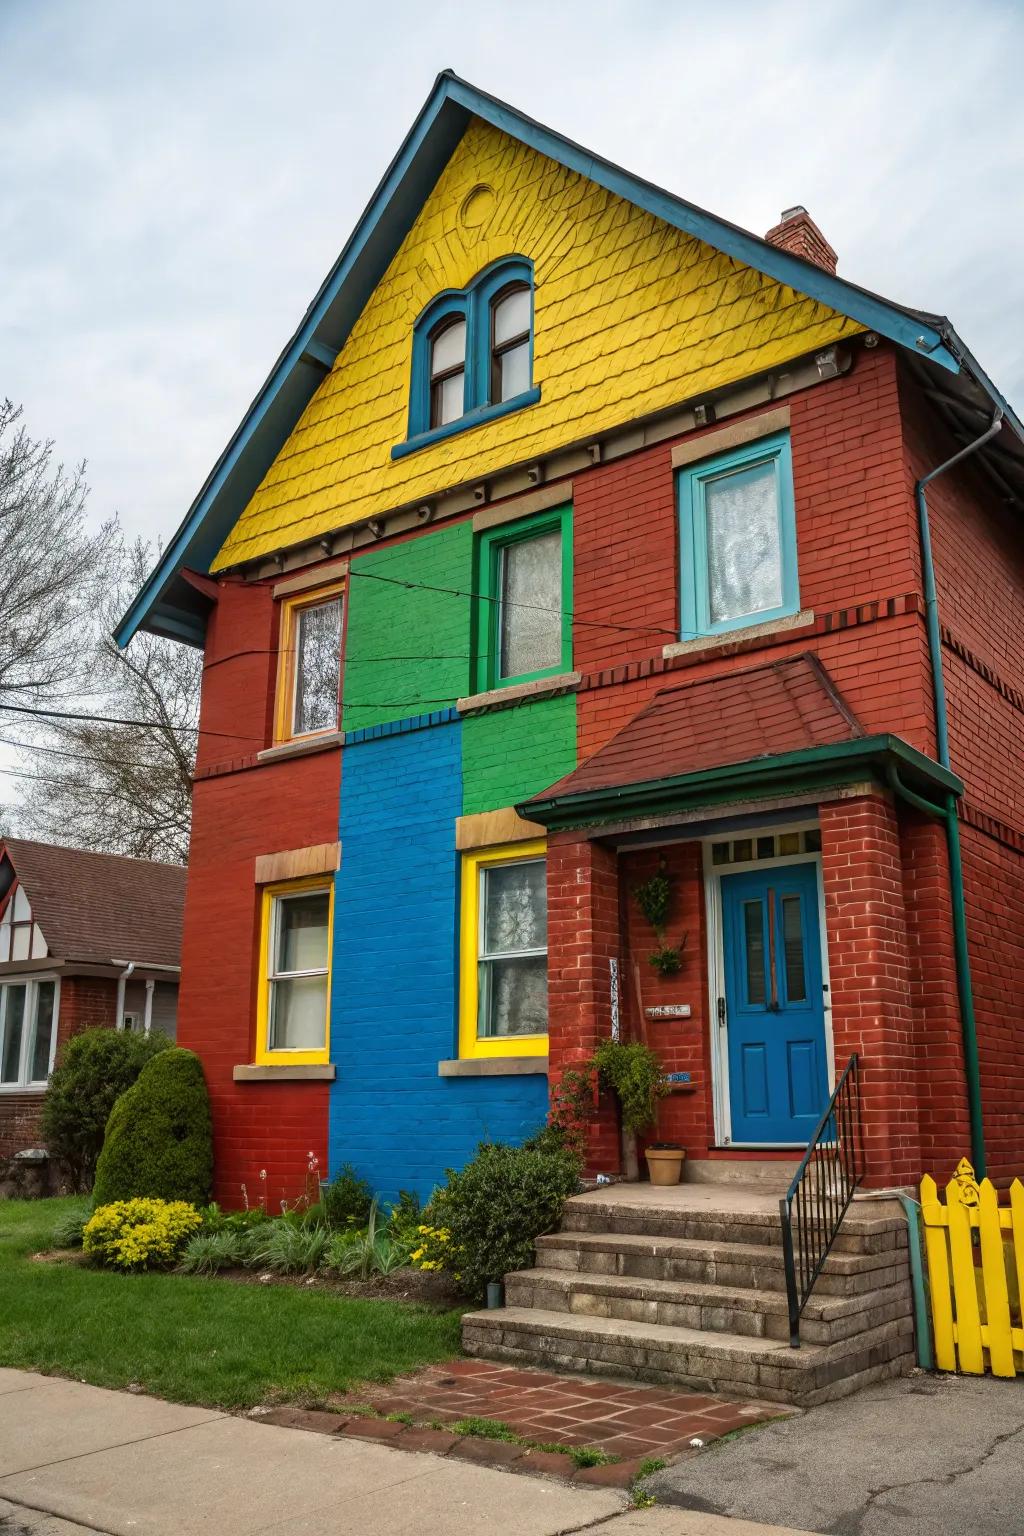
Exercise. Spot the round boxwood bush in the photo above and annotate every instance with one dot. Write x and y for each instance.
(159, 1141)
(496, 1208)
(95, 1068)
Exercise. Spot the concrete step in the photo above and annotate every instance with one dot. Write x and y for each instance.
(756, 1266)
(709, 1216)
(712, 1308)
(687, 1357)
(769, 1175)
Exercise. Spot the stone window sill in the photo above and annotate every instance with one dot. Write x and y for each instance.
(300, 748)
(494, 1066)
(539, 688)
(741, 632)
(270, 1072)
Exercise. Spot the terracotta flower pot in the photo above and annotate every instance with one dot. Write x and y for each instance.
(665, 1164)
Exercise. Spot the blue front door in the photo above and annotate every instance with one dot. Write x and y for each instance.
(774, 1004)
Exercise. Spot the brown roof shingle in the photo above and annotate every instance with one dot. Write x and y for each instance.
(99, 906)
(781, 706)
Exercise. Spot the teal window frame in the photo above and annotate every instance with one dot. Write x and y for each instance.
(487, 630)
(473, 304)
(691, 484)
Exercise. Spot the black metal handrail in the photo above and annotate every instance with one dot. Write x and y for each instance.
(820, 1194)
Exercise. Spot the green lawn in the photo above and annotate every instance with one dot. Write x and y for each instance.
(197, 1341)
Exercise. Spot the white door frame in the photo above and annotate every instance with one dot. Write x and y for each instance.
(719, 1034)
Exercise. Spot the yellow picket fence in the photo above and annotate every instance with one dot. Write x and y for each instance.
(976, 1309)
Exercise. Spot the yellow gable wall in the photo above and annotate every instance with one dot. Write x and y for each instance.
(631, 316)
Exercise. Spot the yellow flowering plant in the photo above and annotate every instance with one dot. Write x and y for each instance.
(140, 1234)
(433, 1249)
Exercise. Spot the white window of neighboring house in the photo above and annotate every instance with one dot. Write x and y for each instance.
(28, 1030)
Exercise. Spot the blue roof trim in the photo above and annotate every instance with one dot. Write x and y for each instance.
(387, 218)
(401, 727)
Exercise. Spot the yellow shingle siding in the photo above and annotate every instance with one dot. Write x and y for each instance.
(631, 316)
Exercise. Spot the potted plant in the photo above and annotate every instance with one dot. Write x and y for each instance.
(665, 1162)
(633, 1073)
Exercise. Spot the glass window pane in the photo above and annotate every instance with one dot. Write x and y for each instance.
(317, 667)
(448, 402)
(812, 840)
(511, 315)
(789, 842)
(448, 349)
(793, 946)
(742, 850)
(753, 940)
(515, 907)
(531, 602)
(514, 371)
(720, 853)
(43, 1035)
(302, 932)
(514, 994)
(14, 1024)
(298, 1014)
(743, 543)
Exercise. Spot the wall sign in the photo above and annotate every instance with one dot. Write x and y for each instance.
(613, 969)
(668, 1011)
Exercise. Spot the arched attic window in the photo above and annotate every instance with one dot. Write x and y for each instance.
(472, 355)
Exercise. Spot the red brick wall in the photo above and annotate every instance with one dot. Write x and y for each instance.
(869, 966)
(979, 564)
(236, 817)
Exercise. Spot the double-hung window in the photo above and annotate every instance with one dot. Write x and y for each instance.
(737, 536)
(524, 575)
(28, 1031)
(504, 984)
(309, 672)
(472, 355)
(294, 973)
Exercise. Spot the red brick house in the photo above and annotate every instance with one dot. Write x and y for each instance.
(579, 536)
(86, 939)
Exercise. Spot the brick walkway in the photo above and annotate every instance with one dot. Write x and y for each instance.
(623, 1420)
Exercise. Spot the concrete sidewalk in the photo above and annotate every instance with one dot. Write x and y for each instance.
(75, 1458)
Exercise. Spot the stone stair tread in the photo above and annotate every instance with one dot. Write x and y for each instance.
(734, 1346)
(695, 1293)
(700, 1248)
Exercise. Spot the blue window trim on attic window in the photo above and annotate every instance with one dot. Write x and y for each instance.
(695, 600)
(474, 304)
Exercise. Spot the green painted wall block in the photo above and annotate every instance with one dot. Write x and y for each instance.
(514, 753)
(407, 649)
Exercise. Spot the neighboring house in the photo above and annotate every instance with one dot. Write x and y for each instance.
(86, 939)
(575, 536)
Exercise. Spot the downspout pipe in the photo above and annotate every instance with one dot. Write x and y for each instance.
(948, 812)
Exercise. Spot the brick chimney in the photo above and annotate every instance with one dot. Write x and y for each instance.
(798, 233)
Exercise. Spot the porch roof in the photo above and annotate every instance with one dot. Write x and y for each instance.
(782, 723)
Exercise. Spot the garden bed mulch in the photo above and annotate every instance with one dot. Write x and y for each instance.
(516, 1416)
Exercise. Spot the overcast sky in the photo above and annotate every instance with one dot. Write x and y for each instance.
(176, 179)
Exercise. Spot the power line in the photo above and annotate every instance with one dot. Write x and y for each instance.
(83, 757)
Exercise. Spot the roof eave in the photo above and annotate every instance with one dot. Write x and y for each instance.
(803, 768)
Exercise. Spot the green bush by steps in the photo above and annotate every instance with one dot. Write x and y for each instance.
(95, 1068)
(159, 1141)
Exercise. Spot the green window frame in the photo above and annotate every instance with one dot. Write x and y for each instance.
(492, 613)
(768, 454)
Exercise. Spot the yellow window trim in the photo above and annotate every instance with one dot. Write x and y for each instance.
(284, 704)
(264, 1056)
(469, 933)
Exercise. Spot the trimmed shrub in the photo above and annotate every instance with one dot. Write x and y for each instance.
(497, 1207)
(140, 1234)
(95, 1068)
(159, 1141)
(346, 1200)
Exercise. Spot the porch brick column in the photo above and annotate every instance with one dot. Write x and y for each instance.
(583, 935)
(942, 1089)
(870, 979)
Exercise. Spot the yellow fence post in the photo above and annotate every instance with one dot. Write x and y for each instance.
(976, 1321)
